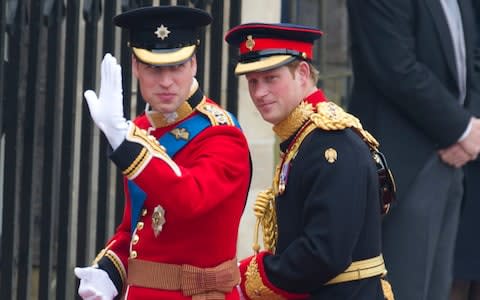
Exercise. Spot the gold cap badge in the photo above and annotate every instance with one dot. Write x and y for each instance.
(250, 43)
(331, 155)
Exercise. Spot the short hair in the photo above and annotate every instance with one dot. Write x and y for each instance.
(314, 73)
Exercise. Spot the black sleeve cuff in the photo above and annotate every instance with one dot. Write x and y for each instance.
(108, 266)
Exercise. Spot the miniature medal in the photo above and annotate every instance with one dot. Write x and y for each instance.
(282, 182)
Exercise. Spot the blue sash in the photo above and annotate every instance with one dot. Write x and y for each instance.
(194, 126)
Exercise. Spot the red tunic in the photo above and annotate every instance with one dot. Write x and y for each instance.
(202, 190)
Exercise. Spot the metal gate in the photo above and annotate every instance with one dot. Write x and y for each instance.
(60, 197)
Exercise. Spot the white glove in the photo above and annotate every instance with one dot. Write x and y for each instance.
(107, 109)
(95, 284)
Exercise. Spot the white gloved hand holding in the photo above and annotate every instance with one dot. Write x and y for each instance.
(95, 284)
(107, 109)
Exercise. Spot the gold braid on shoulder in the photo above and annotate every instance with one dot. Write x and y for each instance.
(330, 116)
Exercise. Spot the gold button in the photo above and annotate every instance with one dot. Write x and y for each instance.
(135, 239)
(133, 254)
(140, 226)
(144, 212)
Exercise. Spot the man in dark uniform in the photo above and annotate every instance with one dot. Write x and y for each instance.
(186, 165)
(321, 217)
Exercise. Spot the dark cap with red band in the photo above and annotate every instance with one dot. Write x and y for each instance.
(264, 46)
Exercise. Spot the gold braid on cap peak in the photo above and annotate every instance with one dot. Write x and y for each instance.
(330, 116)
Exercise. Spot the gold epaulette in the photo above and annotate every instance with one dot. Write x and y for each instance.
(330, 116)
(215, 114)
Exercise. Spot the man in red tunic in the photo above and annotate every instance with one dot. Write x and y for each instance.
(187, 170)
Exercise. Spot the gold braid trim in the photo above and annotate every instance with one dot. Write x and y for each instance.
(215, 114)
(118, 264)
(102, 252)
(254, 286)
(294, 121)
(106, 252)
(330, 116)
(151, 148)
(264, 210)
(387, 290)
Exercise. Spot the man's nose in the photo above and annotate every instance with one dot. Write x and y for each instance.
(164, 78)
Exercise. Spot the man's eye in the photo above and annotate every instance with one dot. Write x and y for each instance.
(271, 78)
(177, 67)
(150, 67)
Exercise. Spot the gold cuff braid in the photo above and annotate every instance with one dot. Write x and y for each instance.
(254, 286)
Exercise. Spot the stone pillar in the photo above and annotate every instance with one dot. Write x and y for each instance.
(259, 133)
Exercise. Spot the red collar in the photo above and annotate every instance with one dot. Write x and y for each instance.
(316, 97)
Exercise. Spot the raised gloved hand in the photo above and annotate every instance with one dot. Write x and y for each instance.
(107, 109)
(95, 284)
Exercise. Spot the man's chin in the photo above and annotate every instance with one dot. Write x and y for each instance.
(164, 109)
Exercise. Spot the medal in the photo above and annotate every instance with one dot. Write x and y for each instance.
(158, 219)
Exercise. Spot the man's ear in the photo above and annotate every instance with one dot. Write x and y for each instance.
(134, 66)
(303, 71)
(193, 61)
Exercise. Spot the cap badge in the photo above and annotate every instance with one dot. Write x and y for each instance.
(180, 133)
(158, 219)
(250, 43)
(331, 155)
(162, 32)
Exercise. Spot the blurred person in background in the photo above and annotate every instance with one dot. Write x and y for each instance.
(414, 90)
(466, 272)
